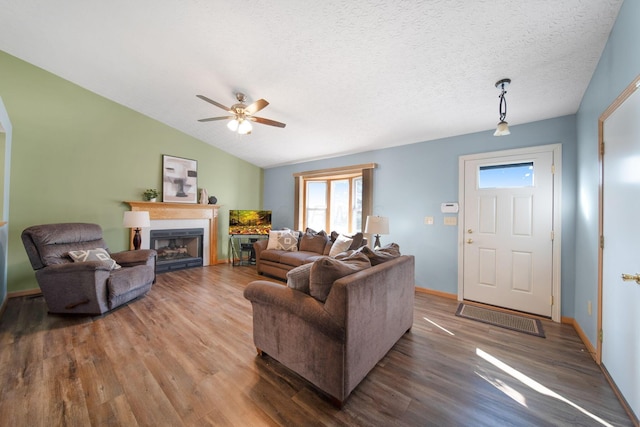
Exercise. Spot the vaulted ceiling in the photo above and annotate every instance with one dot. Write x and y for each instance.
(345, 76)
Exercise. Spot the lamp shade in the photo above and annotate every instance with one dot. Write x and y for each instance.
(244, 127)
(233, 125)
(502, 129)
(377, 225)
(136, 219)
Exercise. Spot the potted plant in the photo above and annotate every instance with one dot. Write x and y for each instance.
(150, 194)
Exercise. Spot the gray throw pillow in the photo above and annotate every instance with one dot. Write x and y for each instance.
(298, 278)
(326, 270)
(357, 240)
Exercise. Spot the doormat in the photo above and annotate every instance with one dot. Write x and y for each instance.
(501, 319)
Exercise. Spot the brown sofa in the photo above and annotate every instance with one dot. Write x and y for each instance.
(334, 344)
(311, 245)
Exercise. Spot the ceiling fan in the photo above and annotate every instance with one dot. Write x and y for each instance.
(242, 114)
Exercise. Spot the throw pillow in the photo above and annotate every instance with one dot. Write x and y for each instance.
(298, 278)
(313, 242)
(342, 243)
(285, 240)
(357, 239)
(327, 248)
(383, 254)
(326, 270)
(97, 254)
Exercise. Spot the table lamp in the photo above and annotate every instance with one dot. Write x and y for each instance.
(136, 220)
(377, 225)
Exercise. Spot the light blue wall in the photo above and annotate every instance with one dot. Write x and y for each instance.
(412, 181)
(618, 66)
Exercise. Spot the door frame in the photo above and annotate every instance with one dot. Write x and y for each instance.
(626, 93)
(556, 150)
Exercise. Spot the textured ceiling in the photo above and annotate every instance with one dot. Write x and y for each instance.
(345, 77)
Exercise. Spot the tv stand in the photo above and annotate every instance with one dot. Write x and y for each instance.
(241, 248)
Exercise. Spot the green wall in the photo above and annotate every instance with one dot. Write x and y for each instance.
(76, 156)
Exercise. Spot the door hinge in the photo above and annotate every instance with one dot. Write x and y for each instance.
(602, 148)
(600, 335)
(553, 169)
(601, 242)
(551, 300)
(553, 234)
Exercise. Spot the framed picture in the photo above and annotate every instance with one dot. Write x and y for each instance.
(179, 180)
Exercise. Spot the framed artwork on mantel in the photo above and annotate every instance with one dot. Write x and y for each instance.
(179, 180)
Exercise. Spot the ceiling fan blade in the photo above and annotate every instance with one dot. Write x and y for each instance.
(266, 121)
(211, 119)
(256, 106)
(217, 104)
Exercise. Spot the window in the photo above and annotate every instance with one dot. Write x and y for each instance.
(334, 204)
(334, 199)
(316, 205)
(506, 176)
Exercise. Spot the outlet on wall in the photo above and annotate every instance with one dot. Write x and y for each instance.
(428, 220)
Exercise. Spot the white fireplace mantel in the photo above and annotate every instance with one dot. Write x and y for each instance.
(184, 211)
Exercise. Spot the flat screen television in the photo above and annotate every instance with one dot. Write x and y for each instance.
(249, 222)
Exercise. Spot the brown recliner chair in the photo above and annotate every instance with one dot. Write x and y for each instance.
(86, 287)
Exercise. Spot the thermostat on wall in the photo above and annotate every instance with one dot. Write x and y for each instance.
(449, 207)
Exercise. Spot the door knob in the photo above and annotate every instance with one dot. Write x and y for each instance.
(628, 277)
(469, 241)
(469, 231)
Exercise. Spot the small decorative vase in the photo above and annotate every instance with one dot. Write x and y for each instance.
(153, 200)
(204, 198)
(213, 200)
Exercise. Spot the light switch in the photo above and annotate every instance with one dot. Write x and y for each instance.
(428, 220)
(450, 220)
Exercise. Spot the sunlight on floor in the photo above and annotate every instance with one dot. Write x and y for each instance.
(505, 388)
(438, 326)
(533, 384)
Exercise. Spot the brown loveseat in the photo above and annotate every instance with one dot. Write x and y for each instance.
(310, 246)
(334, 344)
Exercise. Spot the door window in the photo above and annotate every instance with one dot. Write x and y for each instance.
(513, 175)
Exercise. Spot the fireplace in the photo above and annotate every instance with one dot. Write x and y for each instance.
(177, 248)
(166, 216)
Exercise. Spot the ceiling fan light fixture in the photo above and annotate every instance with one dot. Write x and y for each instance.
(503, 127)
(241, 114)
(245, 127)
(233, 125)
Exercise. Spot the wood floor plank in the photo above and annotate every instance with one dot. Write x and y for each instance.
(183, 355)
(63, 396)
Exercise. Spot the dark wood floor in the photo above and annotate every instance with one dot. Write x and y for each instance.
(183, 355)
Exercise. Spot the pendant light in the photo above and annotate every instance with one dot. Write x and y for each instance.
(503, 126)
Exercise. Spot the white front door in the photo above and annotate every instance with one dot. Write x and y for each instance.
(507, 234)
(620, 317)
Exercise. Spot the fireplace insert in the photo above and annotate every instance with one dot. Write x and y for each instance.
(177, 248)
